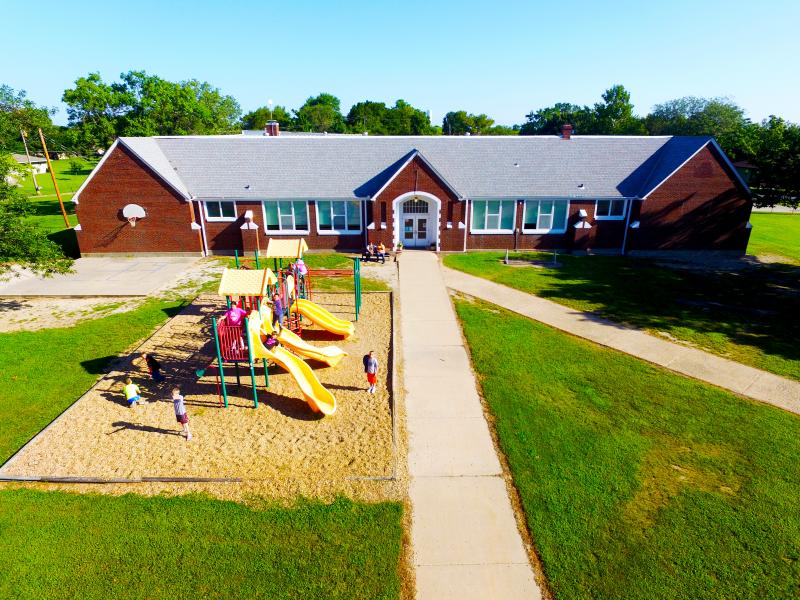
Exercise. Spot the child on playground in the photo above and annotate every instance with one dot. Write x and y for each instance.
(277, 310)
(132, 393)
(272, 341)
(180, 412)
(371, 369)
(153, 366)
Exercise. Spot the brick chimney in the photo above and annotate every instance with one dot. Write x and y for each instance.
(566, 131)
(272, 128)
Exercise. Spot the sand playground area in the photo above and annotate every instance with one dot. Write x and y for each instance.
(281, 449)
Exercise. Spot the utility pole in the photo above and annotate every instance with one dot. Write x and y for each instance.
(28, 154)
(53, 177)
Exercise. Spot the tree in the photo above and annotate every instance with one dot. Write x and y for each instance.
(22, 242)
(257, 119)
(404, 119)
(777, 178)
(614, 116)
(548, 121)
(18, 113)
(321, 113)
(460, 123)
(142, 104)
(368, 116)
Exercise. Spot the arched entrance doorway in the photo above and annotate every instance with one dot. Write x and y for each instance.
(417, 220)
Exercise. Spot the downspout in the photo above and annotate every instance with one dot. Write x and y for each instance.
(202, 227)
(466, 221)
(364, 218)
(627, 226)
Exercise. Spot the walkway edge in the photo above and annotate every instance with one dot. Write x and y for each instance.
(740, 379)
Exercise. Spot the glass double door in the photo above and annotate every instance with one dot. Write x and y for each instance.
(415, 231)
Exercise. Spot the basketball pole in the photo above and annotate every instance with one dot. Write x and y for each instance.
(53, 177)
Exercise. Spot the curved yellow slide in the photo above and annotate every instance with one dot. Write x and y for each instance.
(315, 394)
(330, 355)
(319, 316)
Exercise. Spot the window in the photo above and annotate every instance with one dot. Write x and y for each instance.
(415, 206)
(219, 210)
(545, 216)
(288, 216)
(338, 216)
(493, 216)
(610, 209)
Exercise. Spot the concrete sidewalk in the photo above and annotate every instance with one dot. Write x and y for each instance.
(464, 533)
(103, 276)
(736, 377)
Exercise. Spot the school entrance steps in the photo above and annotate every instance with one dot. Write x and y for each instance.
(742, 379)
(464, 533)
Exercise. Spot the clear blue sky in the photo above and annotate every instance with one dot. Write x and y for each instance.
(501, 58)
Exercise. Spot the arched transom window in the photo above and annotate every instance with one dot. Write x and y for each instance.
(415, 206)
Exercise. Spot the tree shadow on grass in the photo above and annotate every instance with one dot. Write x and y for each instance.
(99, 365)
(750, 306)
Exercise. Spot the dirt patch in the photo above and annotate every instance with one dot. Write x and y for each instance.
(280, 450)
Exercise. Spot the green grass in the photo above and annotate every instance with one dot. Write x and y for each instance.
(47, 213)
(58, 545)
(743, 315)
(638, 483)
(43, 372)
(775, 234)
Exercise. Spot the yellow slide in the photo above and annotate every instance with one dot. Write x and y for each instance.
(317, 396)
(319, 316)
(330, 355)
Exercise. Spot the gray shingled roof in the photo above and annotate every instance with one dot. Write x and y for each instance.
(479, 166)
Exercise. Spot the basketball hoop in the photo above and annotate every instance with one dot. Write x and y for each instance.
(132, 213)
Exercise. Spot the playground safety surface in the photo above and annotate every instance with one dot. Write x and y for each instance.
(281, 449)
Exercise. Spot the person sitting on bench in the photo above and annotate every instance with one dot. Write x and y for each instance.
(380, 252)
(369, 252)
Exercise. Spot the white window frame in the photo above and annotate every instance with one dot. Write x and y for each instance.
(305, 231)
(609, 217)
(492, 231)
(338, 231)
(211, 219)
(555, 230)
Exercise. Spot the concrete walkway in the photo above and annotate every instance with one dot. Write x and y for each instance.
(464, 534)
(102, 276)
(736, 377)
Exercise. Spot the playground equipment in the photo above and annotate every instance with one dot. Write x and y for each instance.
(319, 398)
(249, 286)
(232, 347)
(318, 315)
(330, 355)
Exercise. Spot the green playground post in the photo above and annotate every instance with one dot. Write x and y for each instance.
(275, 266)
(236, 255)
(357, 284)
(266, 373)
(228, 301)
(250, 356)
(258, 266)
(219, 362)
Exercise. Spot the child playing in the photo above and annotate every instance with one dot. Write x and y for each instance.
(277, 311)
(132, 393)
(153, 366)
(180, 412)
(272, 341)
(371, 369)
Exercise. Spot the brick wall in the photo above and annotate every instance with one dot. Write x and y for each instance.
(701, 207)
(124, 179)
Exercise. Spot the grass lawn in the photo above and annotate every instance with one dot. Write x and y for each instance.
(638, 483)
(775, 234)
(742, 316)
(43, 372)
(48, 213)
(58, 545)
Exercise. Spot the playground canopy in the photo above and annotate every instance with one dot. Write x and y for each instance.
(243, 282)
(286, 248)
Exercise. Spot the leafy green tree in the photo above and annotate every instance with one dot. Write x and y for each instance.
(460, 123)
(548, 121)
(257, 119)
(18, 113)
(404, 119)
(777, 178)
(614, 116)
(321, 113)
(142, 104)
(22, 243)
(368, 116)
